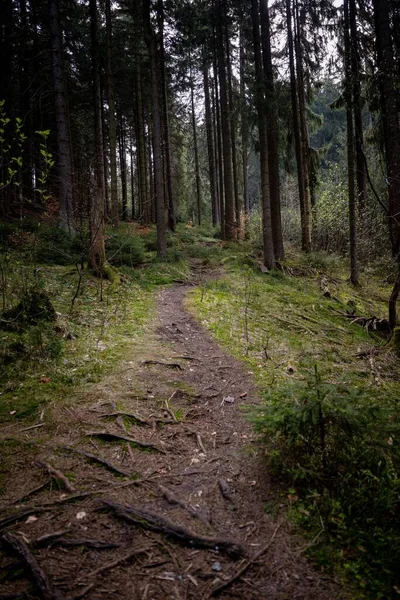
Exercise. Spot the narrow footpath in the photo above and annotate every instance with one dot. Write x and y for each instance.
(151, 485)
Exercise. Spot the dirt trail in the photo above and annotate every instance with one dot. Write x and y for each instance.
(199, 501)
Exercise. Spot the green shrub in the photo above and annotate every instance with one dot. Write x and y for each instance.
(341, 451)
(124, 248)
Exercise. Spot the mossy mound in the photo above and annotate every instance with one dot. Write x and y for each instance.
(33, 308)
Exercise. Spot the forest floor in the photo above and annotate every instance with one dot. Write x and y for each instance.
(151, 484)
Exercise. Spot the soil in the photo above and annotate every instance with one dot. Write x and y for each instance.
(204, 472)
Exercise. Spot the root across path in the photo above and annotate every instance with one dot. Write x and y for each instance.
(158, 487)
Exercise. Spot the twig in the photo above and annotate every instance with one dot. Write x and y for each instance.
(32, 427)
(167, 408)
(22, 551)
(223, 586)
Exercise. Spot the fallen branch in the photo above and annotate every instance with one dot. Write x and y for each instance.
(22, 551)
(158, 523)
(32, 427)
(58, 476)
(164, 364)
(242, 570)
(107, 435)
(110, 466)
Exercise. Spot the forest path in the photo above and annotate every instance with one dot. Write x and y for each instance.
(198, 517)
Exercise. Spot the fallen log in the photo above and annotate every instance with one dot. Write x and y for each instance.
(155, 522)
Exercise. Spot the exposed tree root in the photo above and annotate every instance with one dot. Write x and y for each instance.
(110, 466)
(116, 562)
(172, 499)
(107, 435)
(154, 522)
(245, 566)
(19, 548)
(129, 415)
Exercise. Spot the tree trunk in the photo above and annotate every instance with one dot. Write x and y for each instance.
(210, 145)
(272, 132)
(391, 130)
(357, 109)
(65, 162)
(218, 145)
(303, 126)
(133, 209)
(97, 254)
(220, 15)
(195, 148)
(157, 135)
(232, 125)
(165, 114)
(305, 225)
(350, 146)
(268, 243)
(141, 150)
(114, 209)
(244, 128)
(122, 165)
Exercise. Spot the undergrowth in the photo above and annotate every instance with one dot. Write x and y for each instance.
(329, 418)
